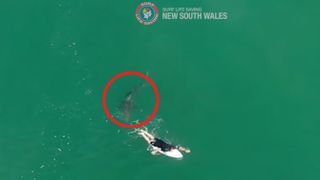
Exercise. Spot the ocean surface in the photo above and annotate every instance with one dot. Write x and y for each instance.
(242, 94)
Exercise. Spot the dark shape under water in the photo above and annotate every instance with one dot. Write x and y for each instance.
(127, 105)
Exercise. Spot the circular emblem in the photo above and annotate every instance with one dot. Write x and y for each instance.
(147, 13)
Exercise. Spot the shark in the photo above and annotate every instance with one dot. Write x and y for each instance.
(127, 105)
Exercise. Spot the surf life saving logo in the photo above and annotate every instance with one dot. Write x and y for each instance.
(147, 13)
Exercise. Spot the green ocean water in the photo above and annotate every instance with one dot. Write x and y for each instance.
(242, 93)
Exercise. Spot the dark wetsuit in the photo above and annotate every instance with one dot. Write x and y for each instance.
(162, 145)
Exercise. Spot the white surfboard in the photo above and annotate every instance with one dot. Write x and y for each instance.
(174, 153)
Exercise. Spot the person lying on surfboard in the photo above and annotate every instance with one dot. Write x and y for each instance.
(161, 147)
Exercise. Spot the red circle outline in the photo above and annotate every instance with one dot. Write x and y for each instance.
(104, 99)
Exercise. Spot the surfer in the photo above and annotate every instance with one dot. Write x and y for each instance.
(161, 147)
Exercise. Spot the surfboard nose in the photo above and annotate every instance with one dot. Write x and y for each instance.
(174, 153)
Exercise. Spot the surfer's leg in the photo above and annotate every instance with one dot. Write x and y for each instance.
(148, 134)
(145, 137)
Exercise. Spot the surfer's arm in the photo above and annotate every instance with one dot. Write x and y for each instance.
(156, 151)
(186, 150)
